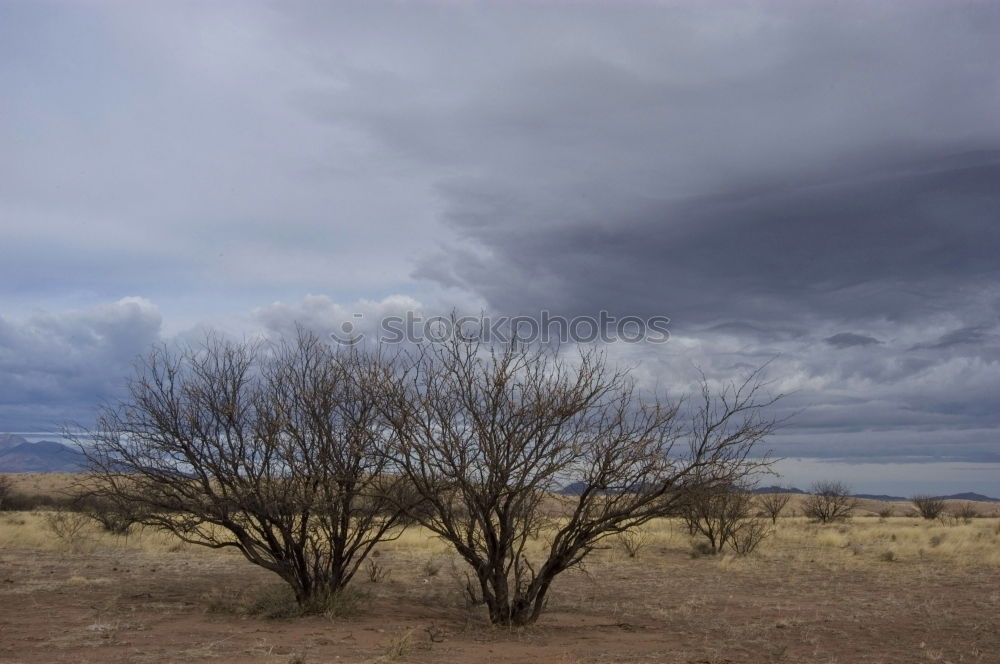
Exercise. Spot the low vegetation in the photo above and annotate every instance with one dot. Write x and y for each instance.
(725, 518)
(304, 458)
(772, 504)
(928, 507)
(829, 501)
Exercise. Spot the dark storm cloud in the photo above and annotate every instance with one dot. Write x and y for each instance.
(812, 186)
(57, 367)
(976, 336)
(849, 339)
(793, 175)
(899, 244)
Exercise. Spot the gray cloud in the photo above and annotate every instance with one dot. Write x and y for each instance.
(975, 335)
(811, 186)
(850, 339)
(57, 367)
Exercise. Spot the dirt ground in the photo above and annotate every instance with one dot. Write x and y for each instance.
(135, 606)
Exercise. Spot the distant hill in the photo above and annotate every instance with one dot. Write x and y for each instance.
(971, 496)
(575, 488)
(879, 496)
(9, 440)
(777, 489)
(17, 455)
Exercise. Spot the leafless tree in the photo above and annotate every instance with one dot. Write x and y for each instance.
(723, 515)
(829, 501)
(269, 450)
(929, 507)
(487, 435)
(773, 503)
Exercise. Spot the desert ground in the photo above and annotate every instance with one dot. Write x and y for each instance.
(890, 588)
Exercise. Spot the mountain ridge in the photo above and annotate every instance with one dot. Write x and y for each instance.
(17, 455)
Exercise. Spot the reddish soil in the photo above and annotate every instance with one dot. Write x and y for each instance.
(135, 607)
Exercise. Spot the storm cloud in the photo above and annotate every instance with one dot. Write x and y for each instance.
(814, 187)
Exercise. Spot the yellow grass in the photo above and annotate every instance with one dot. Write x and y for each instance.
(859, 542)
(864, 541)
(29, 530)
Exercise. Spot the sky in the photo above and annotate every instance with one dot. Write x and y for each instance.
(815, 187)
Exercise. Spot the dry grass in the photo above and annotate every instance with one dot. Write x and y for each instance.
(857, 542)
(875, 590)
(43, 484)
(810, 594)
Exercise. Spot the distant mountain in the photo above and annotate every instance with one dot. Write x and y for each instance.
(968, 495)
(9, 440)
(879, 496)
(777, 489)
(42, 457)
(576, 488)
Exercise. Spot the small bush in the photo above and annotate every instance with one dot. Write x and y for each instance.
(68, 527)
(746, 539)
(633, 541)
(723, 517)
(773, 503)
(115, 517)
(277, 602)
(273, 601)
(377, 573)
(888, 556)
(829, 501)
(399, 647)
(967, 512)
(928, 507)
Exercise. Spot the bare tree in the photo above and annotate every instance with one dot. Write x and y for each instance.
(773, 503)
(929, 507)
(723, 516)
(487, 435)
(829, 501)
(267, 450)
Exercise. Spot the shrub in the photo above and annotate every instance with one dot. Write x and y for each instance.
(747, 538)
(829, 501)
(377, 573)
(633, 541)
(114, 516)
(723, 517)
(929, 507)
(967, 512)
(278, 601)
(773, 503)
(68, 527)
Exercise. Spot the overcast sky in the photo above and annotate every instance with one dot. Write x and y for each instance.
(818, 186)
